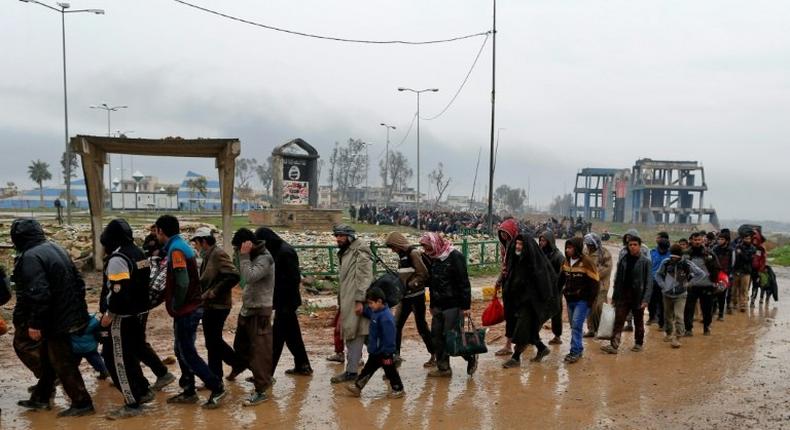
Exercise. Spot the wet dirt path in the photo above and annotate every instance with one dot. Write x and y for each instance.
(736, 378)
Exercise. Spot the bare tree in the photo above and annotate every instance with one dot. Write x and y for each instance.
(399, 172)
(561, 205)
(440, 181)
(245, 171)
(348, 162)
(264, 172)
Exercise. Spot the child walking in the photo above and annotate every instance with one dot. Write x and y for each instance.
(381, 345)
(86, 346)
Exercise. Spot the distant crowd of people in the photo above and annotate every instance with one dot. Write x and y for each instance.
(194, 280)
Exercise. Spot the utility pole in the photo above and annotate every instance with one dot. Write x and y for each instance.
(387, 163)
(474, 184)
(493, 112)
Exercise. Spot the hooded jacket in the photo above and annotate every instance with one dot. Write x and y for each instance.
(580, 278)
(257, 269)
(707, 261)
(125, 289)
(287, 276)
(509, 229)
(675, 276)
(412, 270)
(602, 259)
(181, 298)
(532, 281)
(50, 292)
(556, 258)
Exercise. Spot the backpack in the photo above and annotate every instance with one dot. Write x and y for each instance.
(390, 284)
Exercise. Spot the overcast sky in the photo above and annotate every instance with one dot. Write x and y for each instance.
(579, 84)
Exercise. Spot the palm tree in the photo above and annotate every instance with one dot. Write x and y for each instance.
(39, 172)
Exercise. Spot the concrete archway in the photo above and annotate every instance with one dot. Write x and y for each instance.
(93, 152)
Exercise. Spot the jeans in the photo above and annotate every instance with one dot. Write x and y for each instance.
(185, 333)
(416, 305)
(217, 349)
(95, 360)
(577, 313)
(376, 361)
(148, 356)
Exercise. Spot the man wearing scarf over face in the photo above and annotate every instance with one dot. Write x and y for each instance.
(451, 298)
(531, 289)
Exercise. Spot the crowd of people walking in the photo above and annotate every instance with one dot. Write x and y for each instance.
(194, 278)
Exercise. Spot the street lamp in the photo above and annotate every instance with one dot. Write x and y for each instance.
(61, 9)
(109, 109)
(387, 162)
(418, 92)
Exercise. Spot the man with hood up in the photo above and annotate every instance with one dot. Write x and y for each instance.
(287, 299)
(254, 338)
(602, 259)
(50, 307)
(124, 296)
(532, 288)
(549, 247)
(355, 275)
(413, 274)
(507, 232)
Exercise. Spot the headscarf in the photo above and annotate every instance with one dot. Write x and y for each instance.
(440, 247)
(510, 228)
(592, 239)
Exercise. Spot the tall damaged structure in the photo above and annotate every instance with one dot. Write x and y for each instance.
(652, 192)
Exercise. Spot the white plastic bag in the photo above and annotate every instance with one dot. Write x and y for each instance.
(606, 325)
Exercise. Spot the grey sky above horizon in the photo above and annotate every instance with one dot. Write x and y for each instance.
(579, 84)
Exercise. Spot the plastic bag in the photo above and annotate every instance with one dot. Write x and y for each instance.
(606, 326)
(494, 313)
(3, 326)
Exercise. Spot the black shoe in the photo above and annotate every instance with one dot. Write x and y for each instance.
(77, 412)
(471, 366)
(34, 405)
(540, 355)
(303, 371)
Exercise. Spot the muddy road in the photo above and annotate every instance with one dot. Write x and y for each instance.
(737, 378)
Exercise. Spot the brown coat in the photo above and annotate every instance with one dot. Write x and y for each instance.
(218, 276)
(411, 268)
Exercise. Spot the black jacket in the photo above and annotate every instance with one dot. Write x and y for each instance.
(449, 283)
(131, 296)
(287, 276)
(641, 286)
(532, 280)
(50, 292)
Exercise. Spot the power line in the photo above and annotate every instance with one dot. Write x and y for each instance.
(333, 38)
(407, 132)
(477, 57)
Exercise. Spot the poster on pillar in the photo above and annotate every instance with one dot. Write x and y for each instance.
(296, 182)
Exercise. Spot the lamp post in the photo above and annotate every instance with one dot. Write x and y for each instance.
(61, 9)
(387, 162)
(109, 109)
(418, 92)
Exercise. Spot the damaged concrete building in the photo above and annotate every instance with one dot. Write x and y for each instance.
(651, 192)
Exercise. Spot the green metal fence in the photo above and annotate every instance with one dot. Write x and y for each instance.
(476, 253)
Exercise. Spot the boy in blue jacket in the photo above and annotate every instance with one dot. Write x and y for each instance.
(381, 345)
(86, 346)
